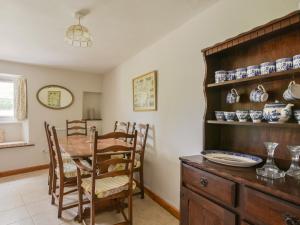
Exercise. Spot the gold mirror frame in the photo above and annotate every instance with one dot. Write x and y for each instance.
(55, 86)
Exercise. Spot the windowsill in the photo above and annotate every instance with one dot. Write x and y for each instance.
(9, 121)
(14, 144)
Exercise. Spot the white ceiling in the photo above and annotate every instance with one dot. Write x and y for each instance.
(32, 31)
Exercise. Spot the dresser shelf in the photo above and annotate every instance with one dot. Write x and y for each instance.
(289, 74)
(262, 124)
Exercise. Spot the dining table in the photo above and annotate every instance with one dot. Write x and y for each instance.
(80, 146)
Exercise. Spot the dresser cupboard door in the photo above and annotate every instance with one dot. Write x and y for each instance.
(197, 210)
(269, 210)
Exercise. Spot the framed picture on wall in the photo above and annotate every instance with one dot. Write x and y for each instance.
(145, 92)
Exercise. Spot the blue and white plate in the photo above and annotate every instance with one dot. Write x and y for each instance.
(231, 158)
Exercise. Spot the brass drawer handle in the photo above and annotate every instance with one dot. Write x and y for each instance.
(289, 220)
(203, 182)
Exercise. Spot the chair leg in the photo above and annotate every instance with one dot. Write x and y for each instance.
(50, 179)
(142, 182)
(60, 197)
(54, 181)
(92, 213)
(80, 203)
(130, 209)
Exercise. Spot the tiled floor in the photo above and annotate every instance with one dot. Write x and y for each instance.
(24, 201)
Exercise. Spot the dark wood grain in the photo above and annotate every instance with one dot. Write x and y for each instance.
(82, 147)
(210, 184)
(287, 189)
(197, 210)
(267, 209)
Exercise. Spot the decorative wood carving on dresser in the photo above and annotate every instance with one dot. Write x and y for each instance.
(213, 194)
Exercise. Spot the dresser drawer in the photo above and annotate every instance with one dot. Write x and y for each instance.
(269, 210)
(220, 188)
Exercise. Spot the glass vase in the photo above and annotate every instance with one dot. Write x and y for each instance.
(270, 170)
(294, 169)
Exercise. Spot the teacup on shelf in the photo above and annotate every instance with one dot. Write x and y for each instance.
(220, 115)
(292, 92)
(267, 67)
(220, 76)
(297, 115)
(232, 96)
(284, 64)
(253, 71)
(296, 61)
(259, 94)
(241, 73)
(242, 115)
(231, 75)
(230, 116)
(256, 116)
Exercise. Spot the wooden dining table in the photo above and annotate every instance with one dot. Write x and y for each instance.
(82, 147)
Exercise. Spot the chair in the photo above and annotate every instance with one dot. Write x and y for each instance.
(106, 185)
(76, 127)
(131, 130)
(142, 134)
(51, 172)
(64, 173)
(122, 127)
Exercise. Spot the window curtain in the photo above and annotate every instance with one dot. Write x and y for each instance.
(21, 99)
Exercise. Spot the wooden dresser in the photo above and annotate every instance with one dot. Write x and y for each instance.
(213, 194)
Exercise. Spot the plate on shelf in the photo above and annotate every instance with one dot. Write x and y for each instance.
(231, 158)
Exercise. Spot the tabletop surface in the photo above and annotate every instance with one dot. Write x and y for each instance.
(80, 146)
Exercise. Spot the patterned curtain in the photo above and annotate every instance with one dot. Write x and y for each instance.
(21, 99)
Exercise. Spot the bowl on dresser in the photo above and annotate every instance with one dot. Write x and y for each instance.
(230, 116)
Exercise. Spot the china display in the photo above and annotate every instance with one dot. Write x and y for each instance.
(277, 112)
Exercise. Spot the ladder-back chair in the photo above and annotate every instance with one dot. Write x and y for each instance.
(51, 168)
(108, 185)
(76, 127)
(142, 134)
(65, 174)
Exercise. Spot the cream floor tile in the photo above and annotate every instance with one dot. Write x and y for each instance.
(13, 215)
(43, 206)
(46, 219)
(10, 201)
(35, 196)
(24, 222)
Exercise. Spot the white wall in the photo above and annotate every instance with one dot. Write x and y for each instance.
(37, 76)
(178, 59)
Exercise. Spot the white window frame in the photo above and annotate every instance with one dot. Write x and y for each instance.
(9, 79)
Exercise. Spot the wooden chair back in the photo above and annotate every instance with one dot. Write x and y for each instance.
(142, 134)
(122, 127)
(56, 152)
(131, 130)
(48, 136)
(76, 127)
(101, 163)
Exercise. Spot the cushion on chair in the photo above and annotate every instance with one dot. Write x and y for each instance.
(66, 158)
(70, 169)
(107, 186)
(121, 166)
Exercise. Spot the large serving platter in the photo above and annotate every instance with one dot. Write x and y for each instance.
(231, 158)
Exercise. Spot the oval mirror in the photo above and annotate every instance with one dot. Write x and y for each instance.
(55, 97)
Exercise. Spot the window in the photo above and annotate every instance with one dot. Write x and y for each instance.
(7, 99)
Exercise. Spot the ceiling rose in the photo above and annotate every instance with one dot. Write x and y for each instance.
(78, 35)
